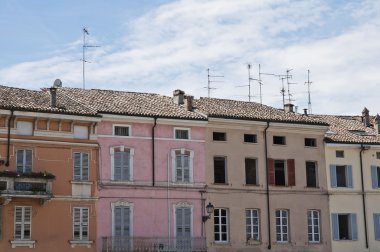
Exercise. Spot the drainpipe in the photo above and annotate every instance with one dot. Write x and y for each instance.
(153, 153)
(267, 191)
(9, 138)
(363, 148)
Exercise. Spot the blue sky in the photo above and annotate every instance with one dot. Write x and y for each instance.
(158, 46)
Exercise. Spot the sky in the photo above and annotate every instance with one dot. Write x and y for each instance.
(158, 46)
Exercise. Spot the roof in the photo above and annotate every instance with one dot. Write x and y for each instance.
(349, 129)
(130, 103)
(232, 109)
(39, 101)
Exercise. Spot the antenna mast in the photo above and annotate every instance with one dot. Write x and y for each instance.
(209, 81)
(249, 81)
(84, 61)
(308, 90)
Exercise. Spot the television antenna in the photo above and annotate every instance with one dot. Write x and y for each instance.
(209, 81)
(288, 77)
(308, 82)
(84, 61)
(249, 66)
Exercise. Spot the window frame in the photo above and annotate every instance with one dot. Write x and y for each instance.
(24, 161)
(348, 176)
(219, 132)
(285, 172)
(313, 225)
(375, 176)
(220, 224)
(83, 225)
(77, 132)
(316, 174)
(24, 128)
(312, 140)
(125, 204)
(175, 129)
(281, 225)
(174, 165)
(183, 205)
(352, 227)
(81, 166)
(121, 125)
(249, 142)
(112, 159)
(249, 220)
(225, 170)
(377, 154)
(340, 155)
(22, 223)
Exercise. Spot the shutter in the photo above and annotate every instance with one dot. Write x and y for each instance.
(77, 166)
(126, 221)
(376, 222)
(117, 165)
(117, 221)
(76, 224)
(354, 228)
(187, 222)
(349, 176)
(27, 223)
(18, 223)
(179, 221)
(333, 175)
(126, 157)
(85, 217)
(291, 172)
(28, 161)
(20, 161)
(85, 166)
(335, 226)
(375, 182)
(186, 168)
(271, 171)
(178, 161)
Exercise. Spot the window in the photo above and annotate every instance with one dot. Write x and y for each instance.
(252, 224)
(220, 170)
(344, 226)
(279, 140)
(121, 163)
(121, 130)
(250, 172)
(183, 222)
(181, 133)
(80, 223)
(24, 161)
(80, 132)
(221, 225)
(24, 128)
(282, 172)
(375, 173)
(378, 155)
(311, 174)
(182, 165)
(81, 164)
(341, 176)
(282, 227)
(313, 226)
(311, 142)
(219, 136)
(376, 223)
(23, 223)
(250, 138)
(121, 221)
(339, 154)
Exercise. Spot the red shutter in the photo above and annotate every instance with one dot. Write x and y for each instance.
(291, 173)
(271, 171)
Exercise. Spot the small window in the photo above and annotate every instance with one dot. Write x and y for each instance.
(313, 226)
(344, 226)
(80, 132)
(280, 172)
(181, 134)
(24, 128)
(252, 224)
(250, 171)
(250, 138)
(339, 154)
(378, 155)
(121, 130)
(282, 227)
(311, 174)
(219, 136)
(311, 142)
(279, 140)
(220, 170)
(221, 225)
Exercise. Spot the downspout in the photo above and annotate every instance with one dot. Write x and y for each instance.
(9, 138)
(153, 153)
(267, 187)
(362, 148)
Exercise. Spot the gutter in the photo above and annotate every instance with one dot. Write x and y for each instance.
(363, 148)
(267, 186)
(9, 138)
(153, 152)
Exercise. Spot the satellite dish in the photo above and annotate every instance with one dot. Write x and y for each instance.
(57, 83)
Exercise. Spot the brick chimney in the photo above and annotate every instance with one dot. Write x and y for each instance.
(365, 117)
(53, 97)
(289, 108)
(178, 96)
(377, 124)
(189, 102)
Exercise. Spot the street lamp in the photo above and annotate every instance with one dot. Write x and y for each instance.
(209, 210)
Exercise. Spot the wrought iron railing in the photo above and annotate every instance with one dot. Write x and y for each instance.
(144, 244)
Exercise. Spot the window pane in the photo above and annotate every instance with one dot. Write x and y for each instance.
(341, 176)
(311, 174)
(220, 170)
(279, 168)
(250, 171)
(219, 136)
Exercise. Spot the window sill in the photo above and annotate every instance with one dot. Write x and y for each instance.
(221, 243)
(75, 243)
(311, 147)
(252, 185)
(80, 182)
(284, 145)
(23, 243)
(121, 182)
(253, 242)
(221, 184)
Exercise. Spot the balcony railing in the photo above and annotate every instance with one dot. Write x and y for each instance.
(144, 244)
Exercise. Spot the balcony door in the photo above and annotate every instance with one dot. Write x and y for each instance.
(183, 228)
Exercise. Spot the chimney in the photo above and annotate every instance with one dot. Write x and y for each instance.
(305, 111)
(53, 97)
(178, 96)
(377, 124)
(189, 102)
(365, 117)
(289, 108)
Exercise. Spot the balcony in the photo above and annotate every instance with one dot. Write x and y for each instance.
(25, 185)
(144, 244)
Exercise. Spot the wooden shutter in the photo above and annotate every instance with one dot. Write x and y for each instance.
(335, 226)
(27, 223)
(23, 221)
(117, 165)
(178, 163)
(349, 176)
(271, 171)
(85, 166)
(291, 172)
(84, 223)
(376, 222)
(125, 162)
(375, 182)
(121, 221)
(354, 228)
(77, 166)
(76, 223)
(183, 222)
(28, 161)
(20, 161)
(333, 176)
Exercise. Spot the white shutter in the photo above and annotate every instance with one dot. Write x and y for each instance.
(28, 161)
(80, 223)
(20, 161)
(76, 223)
(84, 226)
(77, 166)
(23, 223)
(117, 165)
(125, 160)
(121, 221)
(85, 166)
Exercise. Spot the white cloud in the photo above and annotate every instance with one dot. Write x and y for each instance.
(172, 46)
